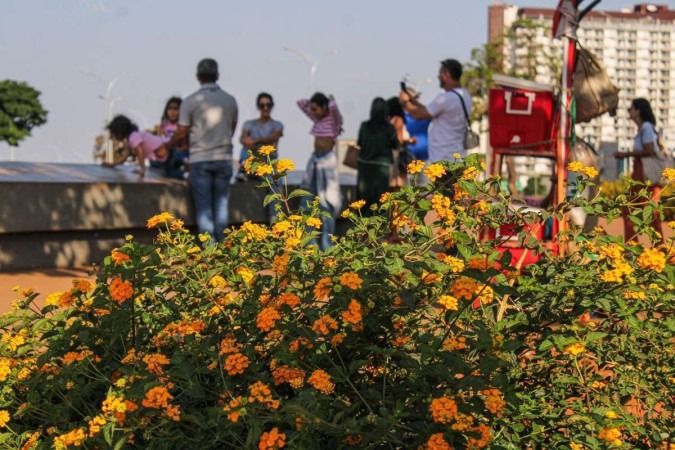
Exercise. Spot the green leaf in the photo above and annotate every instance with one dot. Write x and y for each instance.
(299, 193)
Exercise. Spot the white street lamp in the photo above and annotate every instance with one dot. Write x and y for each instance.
(109, 104)
(310, 62)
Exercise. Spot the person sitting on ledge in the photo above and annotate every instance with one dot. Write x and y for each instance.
(143, 144)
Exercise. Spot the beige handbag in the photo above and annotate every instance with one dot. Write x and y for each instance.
(351, 157)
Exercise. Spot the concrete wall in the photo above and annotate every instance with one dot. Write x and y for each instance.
(67, 215)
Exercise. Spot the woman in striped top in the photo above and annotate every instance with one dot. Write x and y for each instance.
(321, 177)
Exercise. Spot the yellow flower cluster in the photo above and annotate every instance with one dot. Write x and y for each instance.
(620, 268)
(576, 166)
(266, 150)
(264, 169)
(610, 436)
(159, 219)
(254, 232)
(14, 340)
(653, 259)
(668, 174)
(415, 166)
(443, 409)
(246, 274)
(321, 381)
(448, 302)
(6, 365)
(357, 204)
(53, 299)
(95, 425)
(4, 418)
(574, 349)
(314, 222)
(441, 205)
(217, 282)
(634, 295)
(470, 173)
(434, 171)
(272, 440)
(74, 438)
(456, 264)
(284, 165)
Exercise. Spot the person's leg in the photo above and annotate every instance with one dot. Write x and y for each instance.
(200, 187)
(327, 227)
(222, 174)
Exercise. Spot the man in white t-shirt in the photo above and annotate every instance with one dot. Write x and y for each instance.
(448, 123)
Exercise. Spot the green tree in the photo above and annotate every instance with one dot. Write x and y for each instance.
(20, 111)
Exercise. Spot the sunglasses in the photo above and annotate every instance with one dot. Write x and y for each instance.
(264, 105)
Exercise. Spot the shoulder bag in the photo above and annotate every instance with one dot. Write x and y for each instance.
(471, 139)
(351, 159)
(655, 165)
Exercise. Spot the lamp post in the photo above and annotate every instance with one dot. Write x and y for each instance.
(109, 104)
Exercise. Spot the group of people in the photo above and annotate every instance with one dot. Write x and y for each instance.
(401, 123)
(203, 125)
(199, 131)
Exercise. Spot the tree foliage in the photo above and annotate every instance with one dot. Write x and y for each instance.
(20, 111)
(530, 59)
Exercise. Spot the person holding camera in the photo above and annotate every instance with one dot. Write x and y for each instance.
(446, 112)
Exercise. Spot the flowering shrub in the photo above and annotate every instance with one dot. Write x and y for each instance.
(440, 341)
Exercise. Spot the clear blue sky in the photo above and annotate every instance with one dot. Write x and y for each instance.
(71, 49)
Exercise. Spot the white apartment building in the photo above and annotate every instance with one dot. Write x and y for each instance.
(636, 45)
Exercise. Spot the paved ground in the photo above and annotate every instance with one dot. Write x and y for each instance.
(43, 281)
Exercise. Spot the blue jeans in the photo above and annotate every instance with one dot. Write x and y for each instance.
(210, 185)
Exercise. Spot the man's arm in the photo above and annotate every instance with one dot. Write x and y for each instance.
(181, 133)
(413, 107)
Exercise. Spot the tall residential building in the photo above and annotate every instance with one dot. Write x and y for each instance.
(636, 46)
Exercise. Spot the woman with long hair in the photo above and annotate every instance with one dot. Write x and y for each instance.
(321, 176)
(174, 165)
(645, 146)
(377, 141)
(141, 143)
